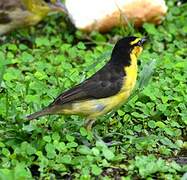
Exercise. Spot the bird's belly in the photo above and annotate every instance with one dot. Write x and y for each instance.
(95, 107)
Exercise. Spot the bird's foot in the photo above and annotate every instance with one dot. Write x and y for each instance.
(88, 124)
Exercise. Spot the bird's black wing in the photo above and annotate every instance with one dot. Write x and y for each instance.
(106, 82)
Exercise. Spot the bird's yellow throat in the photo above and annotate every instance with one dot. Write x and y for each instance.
(137, 51)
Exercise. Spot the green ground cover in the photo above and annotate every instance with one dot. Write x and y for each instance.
(144, 139)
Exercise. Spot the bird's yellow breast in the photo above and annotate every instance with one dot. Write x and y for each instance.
(97, 107)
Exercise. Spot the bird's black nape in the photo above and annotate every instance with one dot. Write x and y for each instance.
(122, 49)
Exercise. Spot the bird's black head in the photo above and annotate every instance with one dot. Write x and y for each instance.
(126, 47)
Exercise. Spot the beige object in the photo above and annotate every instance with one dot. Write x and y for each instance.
(102, 15)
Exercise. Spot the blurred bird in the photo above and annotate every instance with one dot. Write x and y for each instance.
(105, 90)
(20, 13)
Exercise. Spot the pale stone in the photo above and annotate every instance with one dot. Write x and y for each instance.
(102, 15)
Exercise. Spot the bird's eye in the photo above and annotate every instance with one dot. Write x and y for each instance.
(47, 1)
(138, 43)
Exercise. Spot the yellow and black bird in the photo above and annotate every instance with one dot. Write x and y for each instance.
(105, 90)
(19, 13)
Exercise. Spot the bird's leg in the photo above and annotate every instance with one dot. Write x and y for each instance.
(88, 124)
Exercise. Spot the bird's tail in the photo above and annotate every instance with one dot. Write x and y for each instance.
(46, 111)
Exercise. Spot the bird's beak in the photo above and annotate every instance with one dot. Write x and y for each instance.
(59, 6)
(142, 41)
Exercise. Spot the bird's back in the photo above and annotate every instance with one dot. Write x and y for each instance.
(13, 14)
(104, 83)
